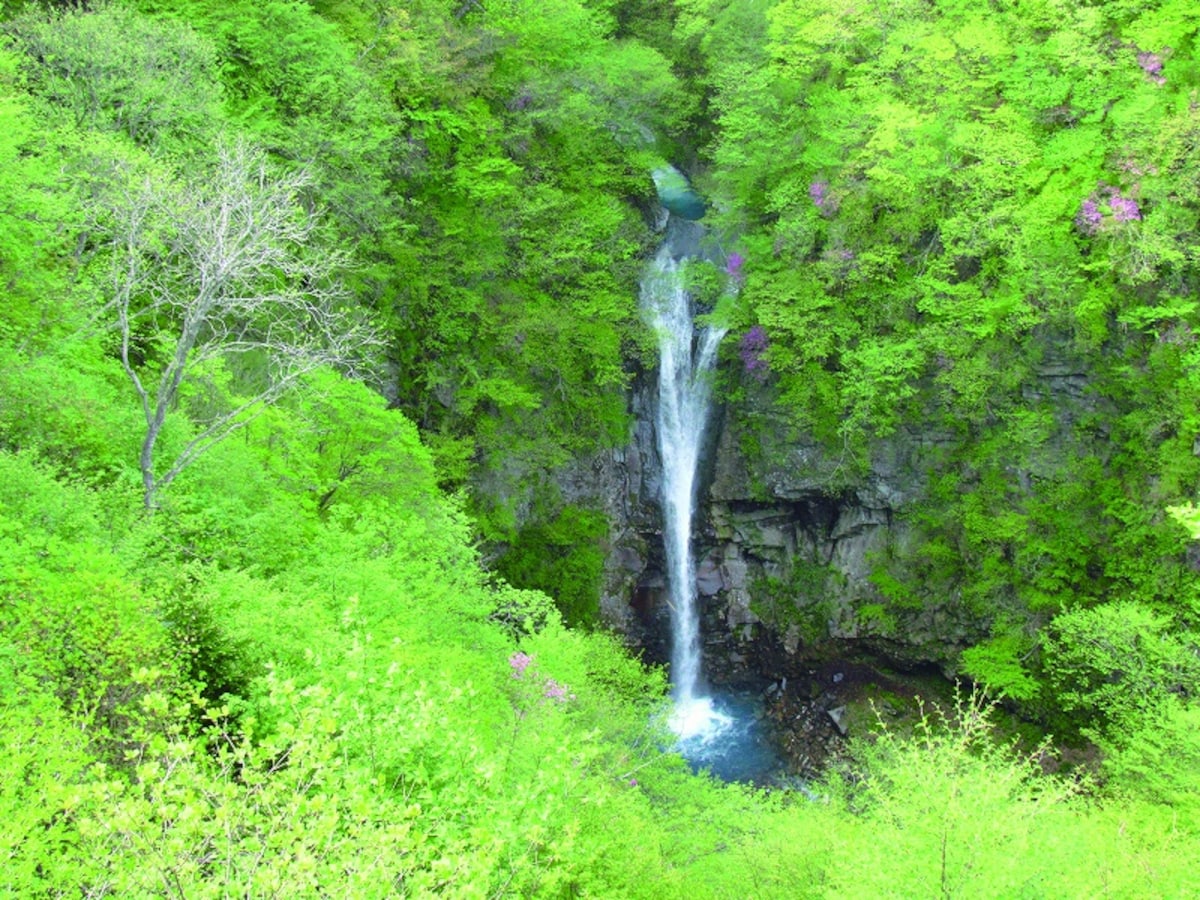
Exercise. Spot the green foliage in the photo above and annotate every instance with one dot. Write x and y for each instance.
(911, 181)
(522, 612)
(218, 298)
(797, 599)
(1119, 662)
(526, 251)
(1156, 760)
(35, 207)
(366, 681)
(336, 443)
(956, 808)
(76, 623)
(563, 557)
(911, 184)
(997, 665)
(218, 666)
(111, 68)
(70, 407)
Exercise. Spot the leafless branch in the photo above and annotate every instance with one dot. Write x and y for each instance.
(215, 268)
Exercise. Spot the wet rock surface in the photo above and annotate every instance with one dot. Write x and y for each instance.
(762, 622)
(784, 565)
(788, 544)
(814, 715)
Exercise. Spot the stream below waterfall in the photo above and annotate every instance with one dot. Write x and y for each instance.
(724, 733)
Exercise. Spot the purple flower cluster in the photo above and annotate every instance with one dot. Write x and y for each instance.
(521, 101)
(733, 266)
(818, 192)
(520, 662)
(1152, 65)
(557, 692)
(840, 258)
(1136, 167)
(1124, 209)
(1090, 218)
(751, 349)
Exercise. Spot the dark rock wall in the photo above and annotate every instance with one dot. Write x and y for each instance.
(788, 540)
(784, 556)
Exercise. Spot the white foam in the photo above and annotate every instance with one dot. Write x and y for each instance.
(695, 720)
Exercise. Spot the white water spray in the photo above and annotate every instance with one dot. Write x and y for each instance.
(686, 363)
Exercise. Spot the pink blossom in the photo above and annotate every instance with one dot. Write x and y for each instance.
(1124, 209)
(519, 662)
(557, 692)
(1152, 64)
(753, 343)
(1089, 218)
(818, 192)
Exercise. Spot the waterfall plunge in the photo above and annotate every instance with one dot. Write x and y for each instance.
(684, 383)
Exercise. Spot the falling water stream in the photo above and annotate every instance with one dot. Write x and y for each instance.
(715, 732)
(685, 368)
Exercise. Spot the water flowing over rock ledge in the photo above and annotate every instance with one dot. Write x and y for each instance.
(764, 527)
(787, 546)
(788, 542)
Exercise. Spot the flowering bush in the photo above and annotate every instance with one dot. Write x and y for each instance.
(733, 266)
(751, 349)
(1124, 209)
(520, 662)
(555, 691)
(1152, 64)
(1090, 219)
(818, 192)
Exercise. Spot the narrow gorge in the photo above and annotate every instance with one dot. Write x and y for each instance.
(790, 580)
(600, 448)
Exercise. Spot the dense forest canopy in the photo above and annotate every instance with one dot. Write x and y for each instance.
(304, 303)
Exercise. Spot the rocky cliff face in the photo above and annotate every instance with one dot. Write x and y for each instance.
(789, 545)
(793, 544)
(785, 558)
(625, 483)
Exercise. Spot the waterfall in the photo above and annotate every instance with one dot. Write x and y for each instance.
(686, 362)
(720, 733)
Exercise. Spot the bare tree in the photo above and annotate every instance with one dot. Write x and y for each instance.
(209, 270)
